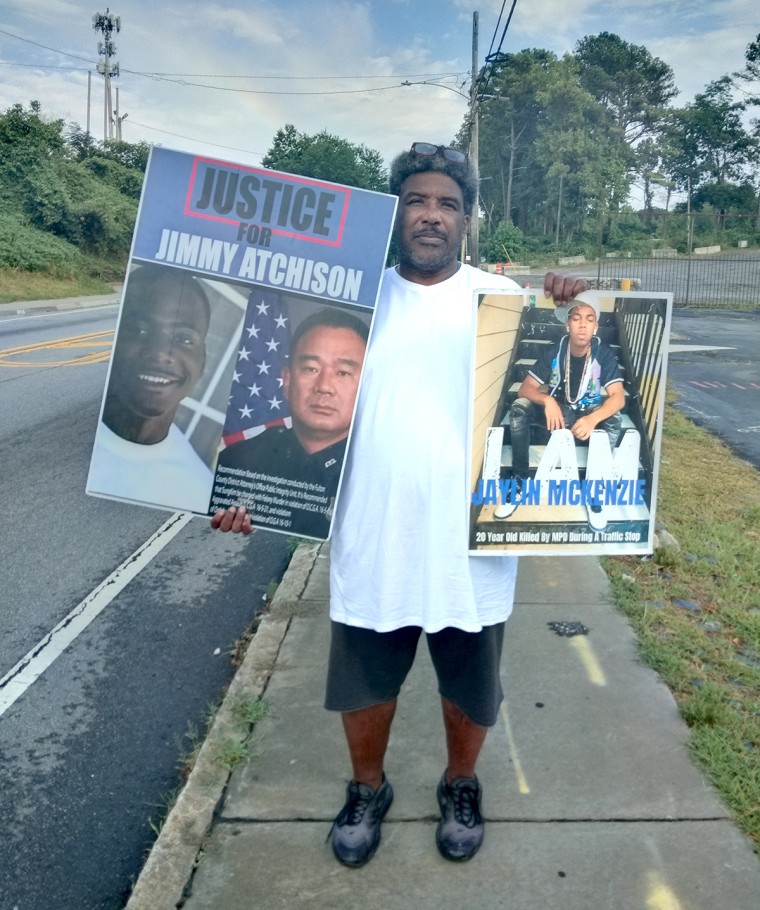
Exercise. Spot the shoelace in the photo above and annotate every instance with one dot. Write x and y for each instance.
(353, 812)
(356, 806)
(465, 799)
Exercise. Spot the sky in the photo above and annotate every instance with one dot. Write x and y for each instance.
(220, 79)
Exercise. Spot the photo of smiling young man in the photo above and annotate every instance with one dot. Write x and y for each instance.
(158, 358)
(288, 476)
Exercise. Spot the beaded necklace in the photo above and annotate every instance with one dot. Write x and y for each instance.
(583, 380)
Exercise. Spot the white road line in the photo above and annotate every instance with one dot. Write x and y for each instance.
(683, 348)
(29, 669)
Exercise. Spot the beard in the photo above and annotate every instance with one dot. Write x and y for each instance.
(428, 262)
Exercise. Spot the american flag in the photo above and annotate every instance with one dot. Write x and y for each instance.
(256, 400)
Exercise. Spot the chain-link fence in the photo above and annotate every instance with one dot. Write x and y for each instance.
(703, 259)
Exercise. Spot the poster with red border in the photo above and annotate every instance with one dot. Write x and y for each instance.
(239, 343)
(538, 491)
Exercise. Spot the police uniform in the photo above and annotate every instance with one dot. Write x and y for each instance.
(279, 455)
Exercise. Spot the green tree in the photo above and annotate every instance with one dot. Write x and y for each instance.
(726, 199)
(326, 157)
(709, 140)
(634, 87)
(54, 180)
(510, 118)
(505, 243)
(751, 71)
(583, 157)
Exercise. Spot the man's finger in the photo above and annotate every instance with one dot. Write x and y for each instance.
(562, 288)
(233, 519)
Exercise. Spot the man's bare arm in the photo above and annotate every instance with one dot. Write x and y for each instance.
(532, 389)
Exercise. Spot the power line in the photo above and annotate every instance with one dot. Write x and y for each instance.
(176, 77)
(231, 148)
(44, 46)
(506, 26)
(484, 78)
(255, 91)
(297, 78)
(496, 28)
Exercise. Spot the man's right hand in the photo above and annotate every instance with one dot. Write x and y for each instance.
(233, 519)
(555, 419)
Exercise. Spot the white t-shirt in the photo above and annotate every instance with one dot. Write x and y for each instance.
(399, 551)
(169, 473)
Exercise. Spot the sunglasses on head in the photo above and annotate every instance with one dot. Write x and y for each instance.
(428, 150)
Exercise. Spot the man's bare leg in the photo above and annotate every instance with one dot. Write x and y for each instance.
(367, 732)
(356, 830)
(460, 831)
(464, 740)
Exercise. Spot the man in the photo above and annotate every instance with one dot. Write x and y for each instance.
(585, 392)
(319, 382)
(399, 563)
(159, 356)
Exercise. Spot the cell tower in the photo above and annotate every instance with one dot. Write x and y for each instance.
(108, 24)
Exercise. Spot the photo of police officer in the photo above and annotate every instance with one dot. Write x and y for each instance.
(320, 380)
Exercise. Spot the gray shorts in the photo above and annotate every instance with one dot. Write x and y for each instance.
(368, 668)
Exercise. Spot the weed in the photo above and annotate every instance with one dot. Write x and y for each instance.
(708, 654)
(250, 711)
(231, 754)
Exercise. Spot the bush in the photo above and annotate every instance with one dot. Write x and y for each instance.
(506, 242)
(29, 249)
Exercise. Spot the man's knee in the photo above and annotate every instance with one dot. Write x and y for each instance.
(519, 413)
(612, 427)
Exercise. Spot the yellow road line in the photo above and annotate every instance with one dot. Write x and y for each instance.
(588, 659)
(522, 782)
(660, 896)
(101, 341)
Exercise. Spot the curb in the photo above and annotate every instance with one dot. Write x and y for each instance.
(168, 871)
(26, 307)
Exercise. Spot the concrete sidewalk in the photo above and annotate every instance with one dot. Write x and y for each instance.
(591, 799)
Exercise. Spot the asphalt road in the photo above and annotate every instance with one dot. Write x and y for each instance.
(713, 365)
(90, 752)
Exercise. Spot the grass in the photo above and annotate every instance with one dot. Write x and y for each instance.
(709, 500)
(16, 285)
(236, 746)
(708, 650)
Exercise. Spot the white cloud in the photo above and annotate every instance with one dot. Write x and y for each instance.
(370, 43)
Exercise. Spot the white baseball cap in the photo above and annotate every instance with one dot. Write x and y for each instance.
(585, 298)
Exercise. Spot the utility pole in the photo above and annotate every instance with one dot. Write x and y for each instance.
(107, 23)
(475, 222)
(118, 120)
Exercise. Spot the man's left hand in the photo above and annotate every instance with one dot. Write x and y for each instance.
(562, 288)
(583, 427)
(233, 519)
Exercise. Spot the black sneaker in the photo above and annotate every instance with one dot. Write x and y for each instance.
(460, 831)
(356, 830)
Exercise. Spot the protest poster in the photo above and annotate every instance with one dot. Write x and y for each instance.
(536, 492)
(239, 344)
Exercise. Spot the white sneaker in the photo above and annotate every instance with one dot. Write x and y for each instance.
(596, 517)
(505, 509)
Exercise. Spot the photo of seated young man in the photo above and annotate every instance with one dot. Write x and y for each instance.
(575, 385)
